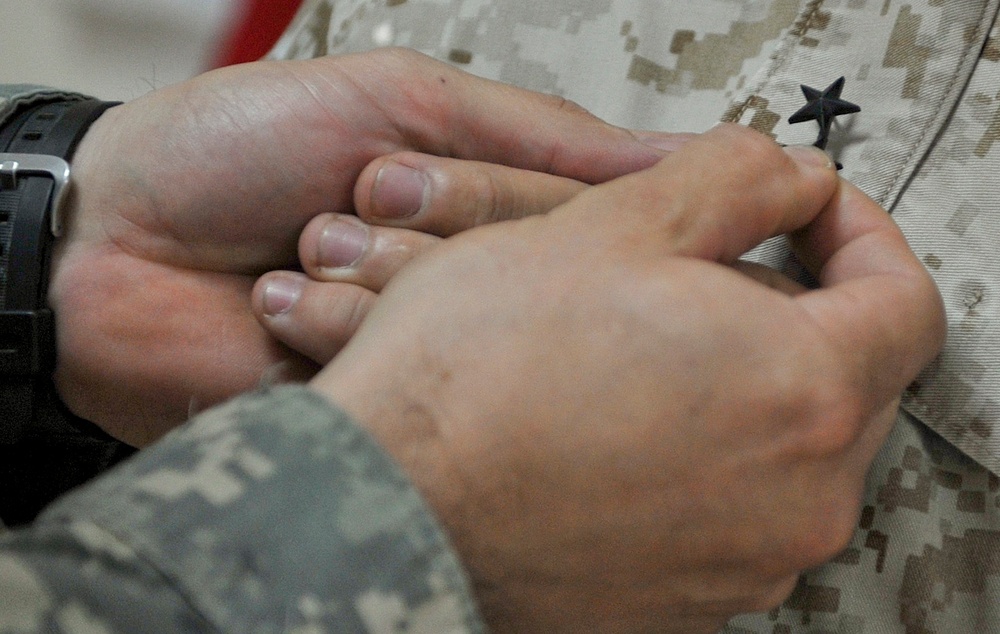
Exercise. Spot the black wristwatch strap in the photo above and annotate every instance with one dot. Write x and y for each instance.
(35, 146)
(44, 449)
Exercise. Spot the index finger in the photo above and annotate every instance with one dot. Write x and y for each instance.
(441, 110)
(715, 198)
(876, 300)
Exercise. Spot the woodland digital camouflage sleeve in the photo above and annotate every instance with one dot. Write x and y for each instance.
(274, 513)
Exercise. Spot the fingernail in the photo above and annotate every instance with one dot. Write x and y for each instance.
(399, 191)
(280, 294)
(341, 244)
(809, 156)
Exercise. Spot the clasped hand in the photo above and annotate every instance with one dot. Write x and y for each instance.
(619, 425)
(184, 197)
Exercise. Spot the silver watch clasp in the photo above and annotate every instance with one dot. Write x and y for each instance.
(13, 166)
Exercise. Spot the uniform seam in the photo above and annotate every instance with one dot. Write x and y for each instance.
(945, 98)
(801, 26)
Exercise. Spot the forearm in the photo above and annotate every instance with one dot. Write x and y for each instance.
(272, 512)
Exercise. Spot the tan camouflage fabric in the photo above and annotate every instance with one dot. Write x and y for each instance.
(926, 556)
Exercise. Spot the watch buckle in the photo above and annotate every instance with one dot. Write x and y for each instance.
(13, 166)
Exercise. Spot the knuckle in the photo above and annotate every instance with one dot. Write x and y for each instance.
(395, 250)
(391, 253)
(489, 198)
(323, 326)
(350, 304)
(358, 310)
(462, 196)
(835, 418)
(833, 434)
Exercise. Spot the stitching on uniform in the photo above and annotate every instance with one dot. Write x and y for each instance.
(980, 29)
(807, 19)
(811, 13)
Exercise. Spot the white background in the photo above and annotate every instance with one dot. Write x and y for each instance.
(111, 49)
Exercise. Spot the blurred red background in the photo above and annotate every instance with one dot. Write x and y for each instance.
(258, 26)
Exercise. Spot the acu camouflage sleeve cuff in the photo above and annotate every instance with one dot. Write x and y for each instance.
(273, 513)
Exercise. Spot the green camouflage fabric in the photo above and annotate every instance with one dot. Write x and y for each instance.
(926, 556)
(272, 514)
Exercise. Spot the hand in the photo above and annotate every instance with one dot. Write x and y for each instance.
(618, 430)
(183, 197)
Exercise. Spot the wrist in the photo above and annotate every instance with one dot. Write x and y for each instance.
(405, 421)
(403, 409)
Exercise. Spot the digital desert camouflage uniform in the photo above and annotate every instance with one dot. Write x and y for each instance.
(147, 548)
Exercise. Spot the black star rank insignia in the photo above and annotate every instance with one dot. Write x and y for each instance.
(824, 107)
